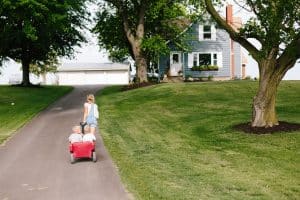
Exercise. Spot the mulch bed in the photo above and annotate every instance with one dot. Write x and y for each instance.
(137, 85)
(282, 127)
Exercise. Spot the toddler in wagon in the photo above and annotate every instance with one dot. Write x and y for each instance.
(76, 136)
(88, 136)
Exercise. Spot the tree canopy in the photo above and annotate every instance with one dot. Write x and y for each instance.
(33, 31)
(139, 29)
(276, 26)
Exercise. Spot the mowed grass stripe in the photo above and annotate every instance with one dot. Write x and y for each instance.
(175, 141)
(18, 105)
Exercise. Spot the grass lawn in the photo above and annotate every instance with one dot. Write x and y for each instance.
(175, 141)
(18, 105)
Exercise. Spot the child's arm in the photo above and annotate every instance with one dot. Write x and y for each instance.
(85, 113)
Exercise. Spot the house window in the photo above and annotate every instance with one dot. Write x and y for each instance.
(215, 59)
(204, 59)
(200, 59)
(195, 58)
(207, 32)
(175, 58)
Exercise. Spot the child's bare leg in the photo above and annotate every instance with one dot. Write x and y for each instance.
(93, 130)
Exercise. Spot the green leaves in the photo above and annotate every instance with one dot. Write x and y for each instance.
(164, 20)
(32, 30)
(155, 46)
(276, 22)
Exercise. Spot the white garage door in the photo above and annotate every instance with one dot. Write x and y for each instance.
(93, 77)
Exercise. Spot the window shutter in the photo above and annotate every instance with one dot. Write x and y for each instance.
(200, 32)
(220, 59)
(190, 60)
(213, 32)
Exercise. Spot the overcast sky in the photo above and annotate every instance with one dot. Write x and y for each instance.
(252, 68)
(90, 52)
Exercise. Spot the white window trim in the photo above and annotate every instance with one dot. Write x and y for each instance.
(213, 32)
(219, 58)
(190, 60)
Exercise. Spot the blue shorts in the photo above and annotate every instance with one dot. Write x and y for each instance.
(91, 121)
(92, 125)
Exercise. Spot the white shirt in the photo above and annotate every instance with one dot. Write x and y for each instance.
(89, 105)
(88, 137)
(75, 137)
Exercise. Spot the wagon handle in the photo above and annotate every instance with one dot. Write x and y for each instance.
(82, 124)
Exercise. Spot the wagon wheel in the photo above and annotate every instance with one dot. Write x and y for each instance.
(72, 159)
(94, 158)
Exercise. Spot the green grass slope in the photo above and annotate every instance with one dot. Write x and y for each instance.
(18, 105)
(175, 141)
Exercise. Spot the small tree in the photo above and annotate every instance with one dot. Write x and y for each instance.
(276, 26)
(32, 30)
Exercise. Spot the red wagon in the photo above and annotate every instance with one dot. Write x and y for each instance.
(82, 150)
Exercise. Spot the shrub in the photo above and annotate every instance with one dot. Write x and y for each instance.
(205, 68)
(210, 77)
(247, 78)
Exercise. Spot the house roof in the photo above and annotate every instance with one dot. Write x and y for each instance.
(93, 67)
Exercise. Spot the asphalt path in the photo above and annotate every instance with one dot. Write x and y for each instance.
(35, 162)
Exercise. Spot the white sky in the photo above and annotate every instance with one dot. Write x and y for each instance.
(90, 53)
(252, 68)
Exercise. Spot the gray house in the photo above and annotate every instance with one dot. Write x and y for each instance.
(211, 53)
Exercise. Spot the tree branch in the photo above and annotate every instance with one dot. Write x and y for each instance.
(242, 6)
(141, 21)
(254, 36)
(291, 53)
(233, 34)
(123, 12)
(252, 5)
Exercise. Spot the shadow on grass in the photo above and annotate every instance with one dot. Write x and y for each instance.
(27, 86)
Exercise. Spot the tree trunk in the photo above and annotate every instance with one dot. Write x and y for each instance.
(25, 69)
(141, 63)
(264, 112)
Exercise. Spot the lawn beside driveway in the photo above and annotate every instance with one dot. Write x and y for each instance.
(19, 105)
(175, 141)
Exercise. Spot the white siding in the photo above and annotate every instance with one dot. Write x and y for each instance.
(220, 59)
(213, 33)
(201, 32)
(93, 78)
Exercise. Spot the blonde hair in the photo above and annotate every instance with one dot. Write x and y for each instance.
(90, 98)
(76, 128)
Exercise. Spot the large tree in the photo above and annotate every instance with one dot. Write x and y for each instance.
(139, 29)
(276, 26)
(41, 68)
(32, 30)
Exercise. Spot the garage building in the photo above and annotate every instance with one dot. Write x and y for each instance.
(93, 73)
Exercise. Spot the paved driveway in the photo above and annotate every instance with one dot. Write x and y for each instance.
(34, 164)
